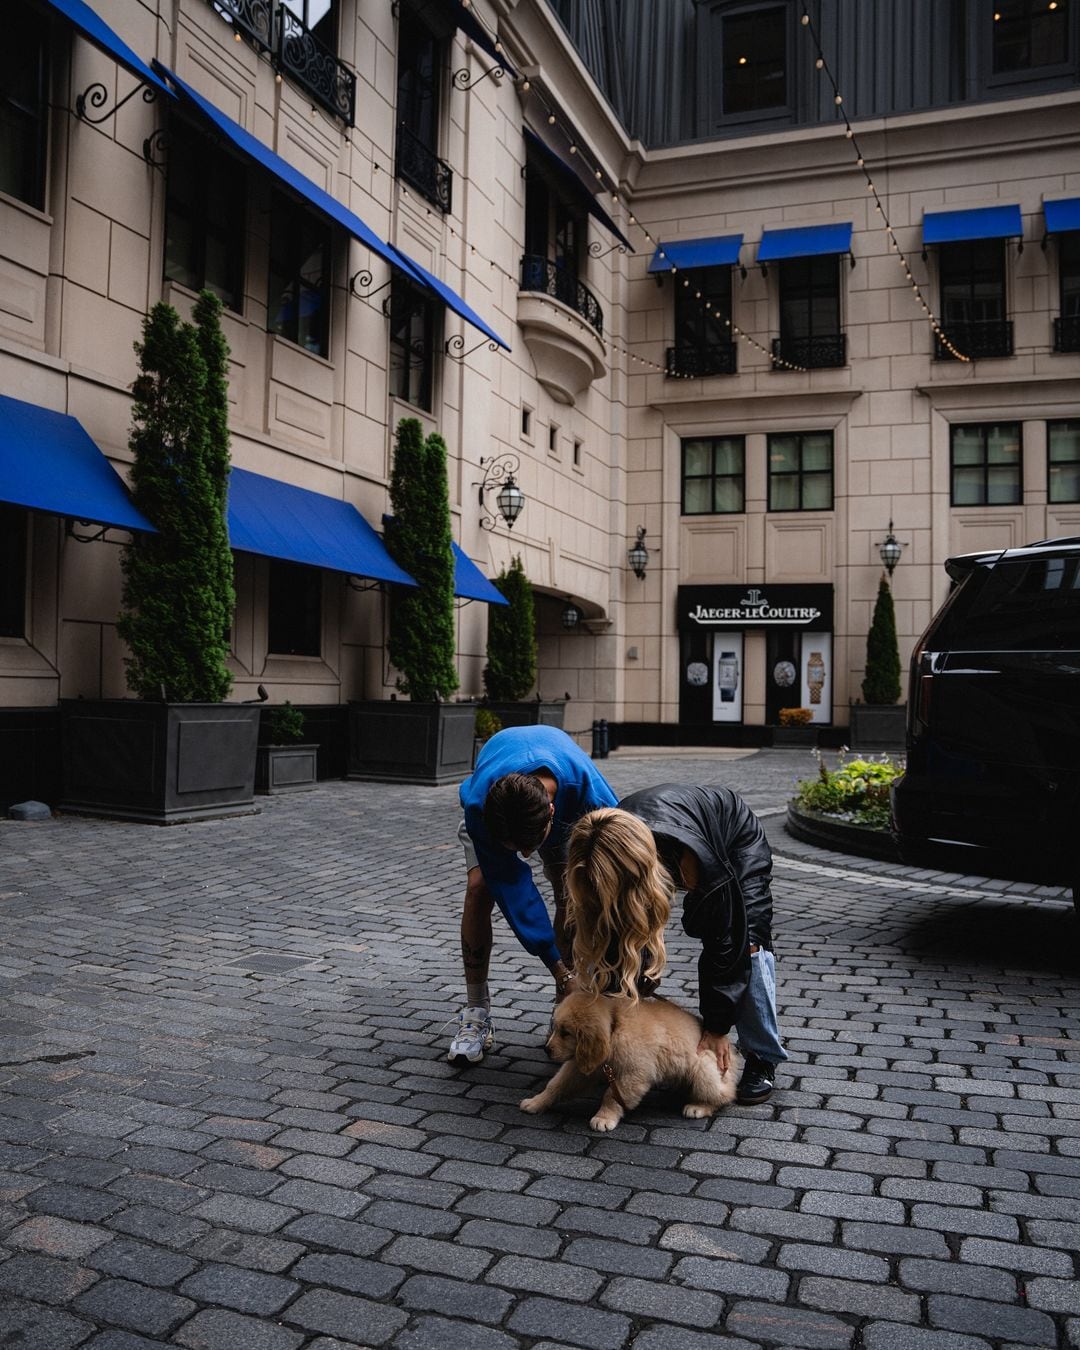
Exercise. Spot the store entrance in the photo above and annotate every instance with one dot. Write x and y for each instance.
(783, 653)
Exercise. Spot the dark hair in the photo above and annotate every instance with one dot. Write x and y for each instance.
(517, 810)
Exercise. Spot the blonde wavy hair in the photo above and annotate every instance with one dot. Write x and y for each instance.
(618, 902)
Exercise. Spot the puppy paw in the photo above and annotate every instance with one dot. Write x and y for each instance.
(534, 1105)
(697, 1110)
(604, 1120)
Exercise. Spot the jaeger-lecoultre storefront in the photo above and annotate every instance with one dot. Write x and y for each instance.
(746, 652)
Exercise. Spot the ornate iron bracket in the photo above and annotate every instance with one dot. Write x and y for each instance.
(462, 79)
(156, 144)
(597, 250)
(452, 347)
(72, 533)
(499, 477)
(364, 584)
(96, 96)
(365, 279)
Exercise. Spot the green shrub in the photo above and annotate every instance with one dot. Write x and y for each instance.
(486, 724)
(511, 646)
(882, 682)
(286, 724)
(857, 791)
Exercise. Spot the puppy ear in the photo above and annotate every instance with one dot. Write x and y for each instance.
(593, 1040)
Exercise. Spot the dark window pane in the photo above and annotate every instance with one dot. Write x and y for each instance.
(695, 326)
(319, 17)
(985, 464)
(418, 79)
(697, 497)
(1063, 453)
(972, 281)
(728, 496)
(728, 454)
(23, 104)
(204, 218)
(299, 289)
(801, 471)
(1069, 273)
(697, 457)
(817, 492)
(1028, 34)
(1002, 485)
(784, 492)
(295, 609)
(12, 571)
(1016, 606)
(412, 344)
(755, 60)
(713, 470)
(967, 487)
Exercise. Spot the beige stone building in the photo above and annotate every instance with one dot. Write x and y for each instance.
(382, 194)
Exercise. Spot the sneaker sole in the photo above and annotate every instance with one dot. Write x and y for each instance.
(754, 1099)
(469, 1059)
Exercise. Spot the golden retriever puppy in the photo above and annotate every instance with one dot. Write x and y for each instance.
(635, 1045)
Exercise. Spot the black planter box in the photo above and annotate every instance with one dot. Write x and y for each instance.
(795, 737)
(878, 727)
(162, 763)
(286, 768)
(400, 742)
(535, 713)
(29, 755)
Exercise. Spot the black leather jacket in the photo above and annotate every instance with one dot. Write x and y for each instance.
(732, 907)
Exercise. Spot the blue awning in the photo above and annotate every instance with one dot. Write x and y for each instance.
(804, 241)
(96, 30)
(467, 21)
(1062, 216)
(49, 463)
(574, 186)
(720, 251)
(470, 583)
(277, 520)
(450, 298)
(265, 158)
(980, 222)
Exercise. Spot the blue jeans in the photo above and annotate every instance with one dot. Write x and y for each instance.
(756, 1023)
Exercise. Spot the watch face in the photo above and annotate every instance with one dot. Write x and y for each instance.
(784, 674)
(697, 674)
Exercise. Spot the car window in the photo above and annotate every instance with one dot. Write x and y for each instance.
(1016, 605)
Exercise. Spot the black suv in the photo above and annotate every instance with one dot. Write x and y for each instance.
(992, 785)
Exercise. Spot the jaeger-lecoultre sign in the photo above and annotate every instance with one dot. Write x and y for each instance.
(764, 606)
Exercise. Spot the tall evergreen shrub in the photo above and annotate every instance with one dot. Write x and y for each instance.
(511, 646)
(418, 538)
(178, 595)
(882, 682)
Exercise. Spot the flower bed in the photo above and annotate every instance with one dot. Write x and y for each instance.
(847, 808)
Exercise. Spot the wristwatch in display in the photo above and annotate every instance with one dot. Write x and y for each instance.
(727, 676)
(815, 676)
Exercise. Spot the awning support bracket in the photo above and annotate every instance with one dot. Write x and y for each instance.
(362, 584)
(154, 148)
(452, 347)
(462, 79)
(96, 96)
(597, 250)
(365, 279)
(103, 530)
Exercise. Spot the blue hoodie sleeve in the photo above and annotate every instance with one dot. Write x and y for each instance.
(510, 881)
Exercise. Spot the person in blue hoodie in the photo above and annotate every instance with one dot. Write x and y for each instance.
(529, 788)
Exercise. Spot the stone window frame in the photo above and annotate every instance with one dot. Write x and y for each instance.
(985, 463)
(713, 477)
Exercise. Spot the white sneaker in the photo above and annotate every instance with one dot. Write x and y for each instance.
(475, 1035)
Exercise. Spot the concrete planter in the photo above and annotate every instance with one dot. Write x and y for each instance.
(401, 742)
(792, 738)
(161, 763)
(840, 836)
(286, 768)
(536, 712)
(878, 728)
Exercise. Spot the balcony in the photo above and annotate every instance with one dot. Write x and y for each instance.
(822, 352)
(548, 278)
(423, 170)
(1067, 333)
(294, 51)
(976, 338)
(701, 359)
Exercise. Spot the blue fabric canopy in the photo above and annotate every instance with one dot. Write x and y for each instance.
(1062, 216)
(574, 186)
(49, 463)
(450, 298)
(720, 251)
(804, 241)
(979, 222)
(467, 21)
(277, 520)
(470, 583)
(96, 30)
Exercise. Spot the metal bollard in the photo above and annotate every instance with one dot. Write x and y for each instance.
(604, 741)
(595, 740)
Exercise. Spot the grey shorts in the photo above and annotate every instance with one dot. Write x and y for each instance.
(549, 857)
(471, 859)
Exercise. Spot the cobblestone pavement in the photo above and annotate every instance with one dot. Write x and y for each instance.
(227, 1121)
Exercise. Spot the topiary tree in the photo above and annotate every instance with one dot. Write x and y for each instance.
(511, 646)
(882, 681)
(178, 596)
(421, 642)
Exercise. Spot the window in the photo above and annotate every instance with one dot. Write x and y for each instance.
(973, 298)
(577, 454)
(801, 471)
(319, 17)
(553, 439)
(810, 333)
(703, 342)
(420, 56)
(1063, 466)
(412, 343)
(295, 609)
(204, 218)
(23, 104)
(299, 297)
(754, 60)
(1029, 34)
(526, 423)
(12, 571)
(555, 234)
(986, 464)
(1067, 325)
(713, 475)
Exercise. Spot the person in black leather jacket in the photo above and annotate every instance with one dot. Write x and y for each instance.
(713, 846)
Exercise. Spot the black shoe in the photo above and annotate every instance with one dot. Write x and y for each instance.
(756, 1083)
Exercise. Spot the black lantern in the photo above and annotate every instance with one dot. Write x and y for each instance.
(637, 555)
(889, 551)
(509, 498)
(570, 617)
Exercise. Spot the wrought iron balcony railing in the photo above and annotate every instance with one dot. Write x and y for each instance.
(822, 352)
(422, 169)
(296, 51)
(976, 338)
(1067, 333)
(543, 275)
(700, 359)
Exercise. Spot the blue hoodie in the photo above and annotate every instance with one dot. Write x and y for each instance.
(509, 878)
